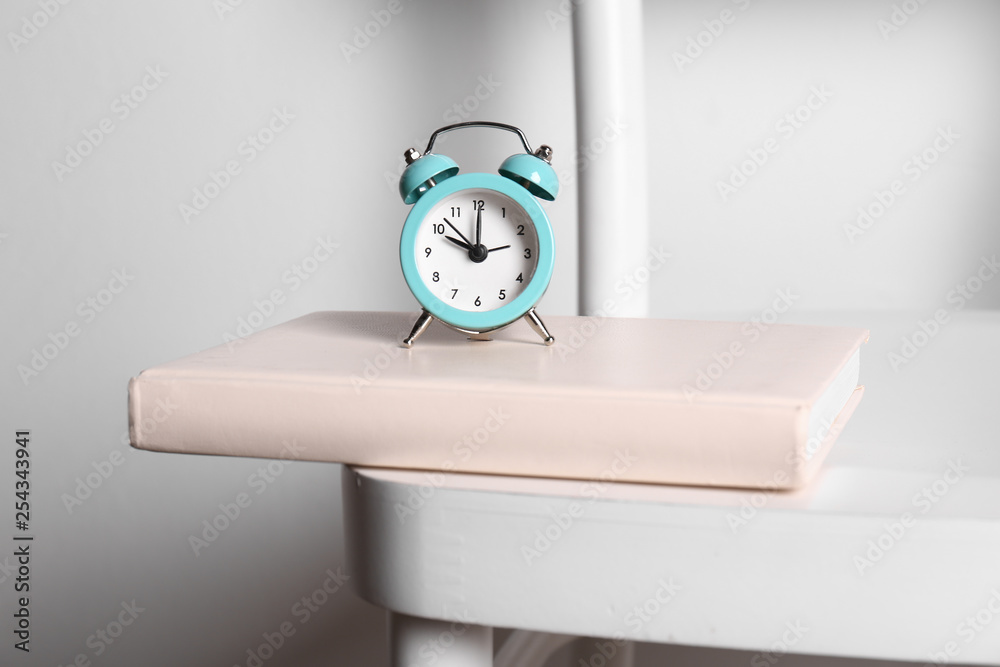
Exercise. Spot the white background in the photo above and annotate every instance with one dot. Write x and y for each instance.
(331, 173)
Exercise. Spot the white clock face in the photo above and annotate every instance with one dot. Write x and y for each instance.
(477, 250)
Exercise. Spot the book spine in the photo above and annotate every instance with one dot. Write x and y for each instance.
(483, 430)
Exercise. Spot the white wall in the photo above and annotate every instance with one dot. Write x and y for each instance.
(786, 226)
(189, 282)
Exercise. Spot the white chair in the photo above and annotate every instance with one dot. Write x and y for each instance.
(892, 553)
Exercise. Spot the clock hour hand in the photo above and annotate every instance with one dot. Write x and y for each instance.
(460, 244)
(468, 243)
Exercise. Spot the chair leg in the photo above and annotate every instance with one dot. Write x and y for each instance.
(420, 642)
(525, 648)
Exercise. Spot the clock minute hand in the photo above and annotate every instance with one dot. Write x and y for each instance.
(468, 243)
(479, 227)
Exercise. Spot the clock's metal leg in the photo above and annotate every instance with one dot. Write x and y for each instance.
(539, 327)
(422, 323)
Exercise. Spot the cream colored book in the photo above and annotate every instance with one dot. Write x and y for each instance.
(641, 400)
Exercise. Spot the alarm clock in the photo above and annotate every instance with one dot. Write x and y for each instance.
(477, 249)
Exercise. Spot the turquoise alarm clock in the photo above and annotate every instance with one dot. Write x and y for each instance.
(477, 250)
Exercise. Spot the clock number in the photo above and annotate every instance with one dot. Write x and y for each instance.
(527, 252)
(520, 230)
(478, 205)
(503, 294)
(437, 277)
(456, 211)
(519, 278)
(478, 302)
(454, 293)
(427, 251)
(503, 211)
(439, 228)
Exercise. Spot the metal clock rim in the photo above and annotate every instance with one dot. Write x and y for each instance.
(492, 319)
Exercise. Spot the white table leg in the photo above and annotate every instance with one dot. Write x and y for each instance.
(420, 642)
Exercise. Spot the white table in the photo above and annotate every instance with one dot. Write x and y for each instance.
(894, 552)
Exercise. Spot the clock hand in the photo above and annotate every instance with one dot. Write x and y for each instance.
(468, 243)
(498, 248)
(477, 251)
(460, 244)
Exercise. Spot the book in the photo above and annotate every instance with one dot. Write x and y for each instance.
(733, 404)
